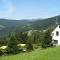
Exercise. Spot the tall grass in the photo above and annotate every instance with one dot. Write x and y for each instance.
(38, 54)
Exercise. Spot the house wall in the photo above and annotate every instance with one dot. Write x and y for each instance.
(54, 36)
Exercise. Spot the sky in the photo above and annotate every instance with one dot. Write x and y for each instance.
(29, 9)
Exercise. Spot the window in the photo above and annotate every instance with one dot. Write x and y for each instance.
(57, 33)
(59, 26)
(55, 41)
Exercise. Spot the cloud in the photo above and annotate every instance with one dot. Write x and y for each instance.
(9, 9)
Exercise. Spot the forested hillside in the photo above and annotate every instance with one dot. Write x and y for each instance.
(7, 26)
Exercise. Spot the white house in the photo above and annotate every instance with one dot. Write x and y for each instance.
(56, 35)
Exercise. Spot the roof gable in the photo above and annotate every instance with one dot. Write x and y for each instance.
(56, 29)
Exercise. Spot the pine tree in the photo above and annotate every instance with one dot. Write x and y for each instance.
(47, 39)
(12, 44)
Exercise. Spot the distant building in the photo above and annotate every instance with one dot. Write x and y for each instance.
(56, 35)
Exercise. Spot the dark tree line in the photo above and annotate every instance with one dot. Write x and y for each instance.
(40, 38)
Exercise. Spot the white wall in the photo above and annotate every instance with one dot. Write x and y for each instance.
(54, 37)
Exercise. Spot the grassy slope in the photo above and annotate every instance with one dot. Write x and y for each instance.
(46, 54)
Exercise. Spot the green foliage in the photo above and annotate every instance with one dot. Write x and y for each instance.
(35, 37)
(26, 25)
(12, 44)
(46, 42)
(33, 41)
(38, 54)
(0, 52)
(22, 37)
(29, 47)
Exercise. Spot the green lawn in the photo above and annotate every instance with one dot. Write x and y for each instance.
(38, 54)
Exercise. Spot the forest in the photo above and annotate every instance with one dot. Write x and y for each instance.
(14, 43)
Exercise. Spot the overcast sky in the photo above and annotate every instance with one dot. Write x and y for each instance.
(29, 9)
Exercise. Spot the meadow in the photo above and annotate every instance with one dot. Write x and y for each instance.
(38, 54)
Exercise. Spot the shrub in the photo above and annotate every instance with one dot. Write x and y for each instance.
(46, 42)
(29, 47)
(0, 52)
